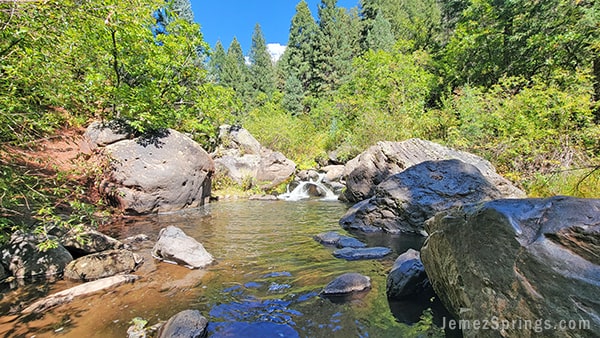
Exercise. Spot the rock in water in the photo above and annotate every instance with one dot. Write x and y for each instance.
(407, 277)
(367, 170)
(185, 324)
(517, 260)
(354, 254)
(347, 283)
(102, 264)
(403, 202)
(175, 246)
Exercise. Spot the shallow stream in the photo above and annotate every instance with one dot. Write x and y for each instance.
(265, 282)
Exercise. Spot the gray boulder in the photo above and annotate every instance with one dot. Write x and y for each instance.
(185, 324)
(367, 170)
(404, 201)
(347, 283)
(88, 241)
(102, 264)
(23, 259)
(516, 260)
(101, 134)
(241, 158)
(339, 240)
(407, 278)
(355, 254)
(175, 246)
(163, 173)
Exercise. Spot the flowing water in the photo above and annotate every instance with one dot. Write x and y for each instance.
(265, 283)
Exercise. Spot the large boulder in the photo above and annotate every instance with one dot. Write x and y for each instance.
(403, 202)
(23, 258)
(160, 173)
(185, 324)
(367, 170)
(241, 158)
(512, 261)
(102, 264)
(175, 246)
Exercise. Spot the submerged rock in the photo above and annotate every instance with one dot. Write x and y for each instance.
(175, 246)
(353, 254)
(23, 259)
(185, 324)
(339, 240)
(102, 264)
(407, 277)
(367, 170)
(516, 260)
(404, 201)
(347, 283)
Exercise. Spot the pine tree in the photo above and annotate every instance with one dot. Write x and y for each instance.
(262, 75)
(183, 9)
(293, 96)
(235, 71)
(216, 63)
(380, 36)
(298, 59)
(333, 52)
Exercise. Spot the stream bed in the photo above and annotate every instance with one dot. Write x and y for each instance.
(265, 283)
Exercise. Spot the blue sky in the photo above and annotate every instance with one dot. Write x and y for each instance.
(224, 19)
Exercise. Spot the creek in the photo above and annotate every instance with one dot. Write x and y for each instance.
(265, 283)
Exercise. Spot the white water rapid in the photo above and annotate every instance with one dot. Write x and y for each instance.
(310, 189)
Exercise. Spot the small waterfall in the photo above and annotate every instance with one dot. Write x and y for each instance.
(310, 189)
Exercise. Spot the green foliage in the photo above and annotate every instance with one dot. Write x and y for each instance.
(529, 130)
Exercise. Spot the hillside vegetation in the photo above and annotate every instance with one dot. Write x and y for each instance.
(516, 82)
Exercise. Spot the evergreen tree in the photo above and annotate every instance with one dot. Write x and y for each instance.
(380, 36)
(262, 75)
(235, 72)
(216, 63)
(334, 51)
(183, 9)
(298, 59)
(293, 95)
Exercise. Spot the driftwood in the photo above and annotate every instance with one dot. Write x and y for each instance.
(68, 295)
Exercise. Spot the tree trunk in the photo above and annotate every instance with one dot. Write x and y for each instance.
(596, 79)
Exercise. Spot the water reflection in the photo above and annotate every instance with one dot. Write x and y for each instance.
(265, 283)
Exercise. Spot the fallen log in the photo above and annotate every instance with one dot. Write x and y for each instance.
(68, 295)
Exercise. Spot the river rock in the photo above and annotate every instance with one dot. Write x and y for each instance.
(347, 283)
(241, 158)
(157, 173)
(404, 201)
(354, 254)
(23, 259)
(185, 324)
(407, 277)
(364, 172)
(102, 264)
(339, 240)
(516, 260)
(88, 241)
(175, 246)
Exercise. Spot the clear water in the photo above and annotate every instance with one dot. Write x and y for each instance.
(265, 283)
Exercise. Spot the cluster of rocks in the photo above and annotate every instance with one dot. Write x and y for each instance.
(490, 253)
